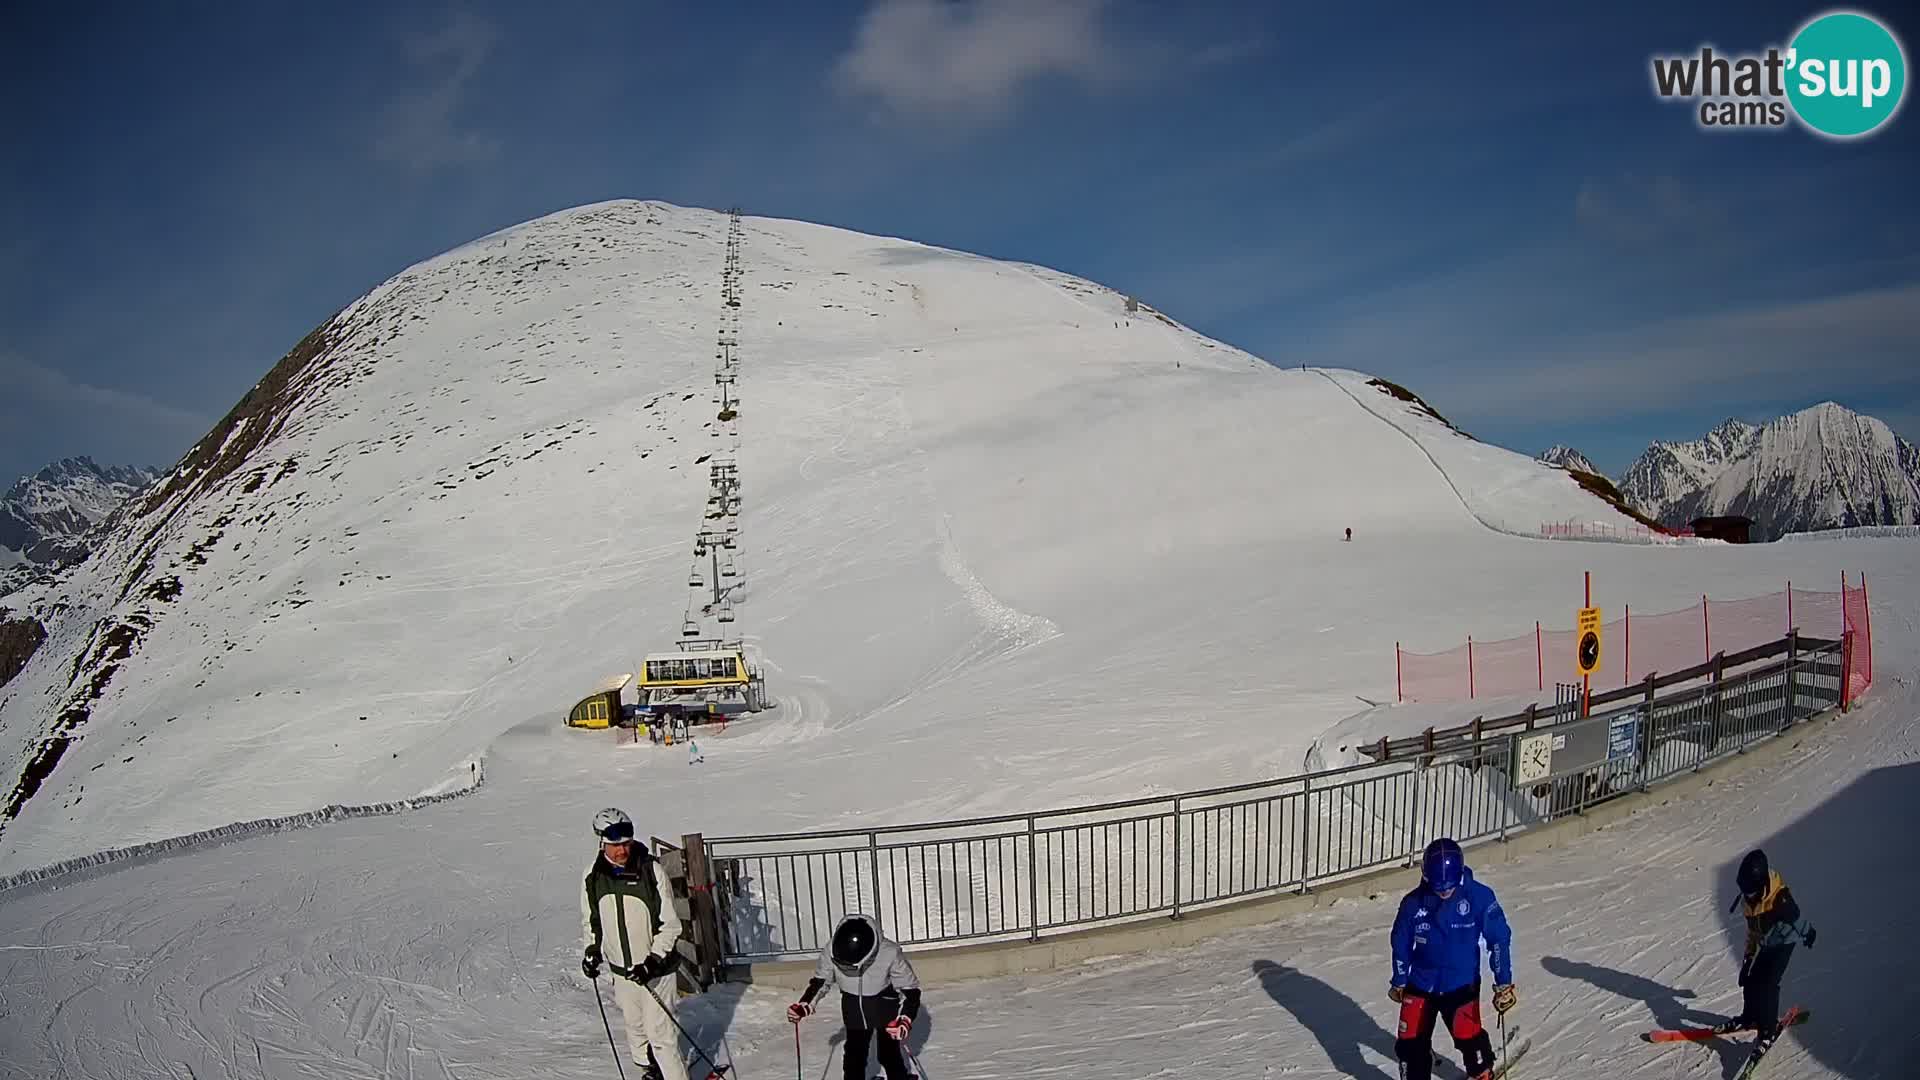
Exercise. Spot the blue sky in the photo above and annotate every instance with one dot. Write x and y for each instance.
(1495, 211)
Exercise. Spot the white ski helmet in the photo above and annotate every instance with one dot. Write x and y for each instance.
(612, 825)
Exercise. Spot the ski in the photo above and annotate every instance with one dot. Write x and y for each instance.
(1759, 1052)
(1795, 1015)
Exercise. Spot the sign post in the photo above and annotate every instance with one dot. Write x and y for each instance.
(1587, 652)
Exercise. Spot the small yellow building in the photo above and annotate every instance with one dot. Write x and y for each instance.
(602, 707)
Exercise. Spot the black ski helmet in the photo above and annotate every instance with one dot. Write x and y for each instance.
(854, 941)
(1753, 875)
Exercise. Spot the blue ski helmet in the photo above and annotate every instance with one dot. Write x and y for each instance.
(1444, 866)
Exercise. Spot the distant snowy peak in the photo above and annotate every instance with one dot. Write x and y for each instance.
(1823, 467)
(1671, 472)
(44, 518)
(1566, 457)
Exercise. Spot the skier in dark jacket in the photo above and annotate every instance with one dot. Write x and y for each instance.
(1436, 962)
(878, 993)
(1774, 927)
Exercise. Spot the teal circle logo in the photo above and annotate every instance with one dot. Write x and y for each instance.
(1846, 74)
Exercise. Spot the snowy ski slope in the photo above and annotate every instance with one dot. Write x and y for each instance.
(974, 492)
(1006, 549)
(443, 943)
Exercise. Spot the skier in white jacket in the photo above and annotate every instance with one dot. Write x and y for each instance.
(879, 993)
(627, 915)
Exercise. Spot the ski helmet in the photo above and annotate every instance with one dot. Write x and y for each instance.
(1753, 875)
(612, 825)
(854, 943)
(1444, 866)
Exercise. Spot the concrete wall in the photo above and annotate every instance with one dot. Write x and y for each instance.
(952, 963)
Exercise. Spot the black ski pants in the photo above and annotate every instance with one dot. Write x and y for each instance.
(855, 1055)
(1461, 1011)
(1760, 982)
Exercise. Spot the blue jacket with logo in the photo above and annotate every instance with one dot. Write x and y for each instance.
(1436, 943)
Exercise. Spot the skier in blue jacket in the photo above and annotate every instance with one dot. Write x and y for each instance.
(1436, 962)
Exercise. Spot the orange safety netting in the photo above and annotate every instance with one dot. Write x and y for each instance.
(1635, 646)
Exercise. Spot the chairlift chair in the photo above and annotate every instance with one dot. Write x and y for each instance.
(690, 629)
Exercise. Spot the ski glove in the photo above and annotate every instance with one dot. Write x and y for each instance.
(652, 967)
(590, 962)
(1505, 998)
(798, 1011)
(1397, 993)
(899, 1026)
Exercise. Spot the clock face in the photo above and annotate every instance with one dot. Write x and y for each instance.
(1535, 753)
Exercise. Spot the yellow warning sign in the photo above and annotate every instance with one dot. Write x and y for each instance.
(1587, 658)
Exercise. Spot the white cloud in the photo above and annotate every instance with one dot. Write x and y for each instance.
(967, 59)
(420, 129)
(46, 391)
(1647, 211)
(1821, 346)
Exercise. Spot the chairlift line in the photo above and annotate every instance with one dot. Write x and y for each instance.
(726, 683)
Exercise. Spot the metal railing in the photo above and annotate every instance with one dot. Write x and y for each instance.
(1027, 875)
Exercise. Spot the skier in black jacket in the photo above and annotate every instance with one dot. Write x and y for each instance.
(1774, 926)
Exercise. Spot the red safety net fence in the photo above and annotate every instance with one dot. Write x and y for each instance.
(1635, 645)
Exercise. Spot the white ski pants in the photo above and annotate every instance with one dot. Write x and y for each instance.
(648, 1023)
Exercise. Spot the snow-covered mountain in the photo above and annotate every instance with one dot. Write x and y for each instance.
(1566, 457)
(1823, 467)
(45, 517)
(472, 495)
(1668, 473)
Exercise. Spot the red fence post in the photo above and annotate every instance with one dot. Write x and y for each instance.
(1626, 662)
(1706, 626)
(1789, 605)
(1539, 657)
(1399, 685)
(1469, 667)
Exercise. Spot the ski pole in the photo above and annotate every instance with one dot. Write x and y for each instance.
(609, 1026)
(1505, 1060)
(799, 1070)
(713, 1069)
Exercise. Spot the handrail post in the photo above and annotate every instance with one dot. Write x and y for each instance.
(1306, 814)
(1506, 797)
(1033, 879)
(1793, 677)
(1413, 809)
(1176, 856)
(873, 866)
(1718, 710)
(1646, 738)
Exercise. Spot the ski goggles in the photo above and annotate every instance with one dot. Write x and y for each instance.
(617, 833)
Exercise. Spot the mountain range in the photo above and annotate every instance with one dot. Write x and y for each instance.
(1820, 468)
(46, 518)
